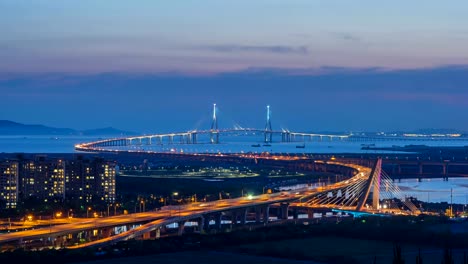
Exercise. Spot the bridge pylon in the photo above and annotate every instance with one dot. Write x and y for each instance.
(214, 132)
(372, 183)
(268, 130)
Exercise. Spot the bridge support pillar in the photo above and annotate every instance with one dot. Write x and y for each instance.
(243, 214)
(266, 214)
(62, 241)
(420, 169)
(310, 213)
(219, 221)
(286, 137)
(258, 212)
(89, 235)
(234, 218)
(214, 137)
(180, 229)
(106, 232)
(268, 137)
(158, 233)
(376, 192)
(372, 183)
(200, 222)
(268, 131)
(146, 235)
(284, 211)
(206, 223)
(295, 213)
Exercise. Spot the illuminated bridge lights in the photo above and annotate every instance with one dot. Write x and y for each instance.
(150, 221)
(138, 143)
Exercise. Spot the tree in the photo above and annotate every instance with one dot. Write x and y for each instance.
(419, 258)
(448, 257)
(397, 258)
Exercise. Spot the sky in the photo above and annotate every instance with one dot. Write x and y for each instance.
(154, 66)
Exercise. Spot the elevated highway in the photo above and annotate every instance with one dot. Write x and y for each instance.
(101, 231)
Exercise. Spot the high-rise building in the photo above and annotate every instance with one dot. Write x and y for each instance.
(43, 179)
(90, 181)
(8, 184)
(105, 184)
(74, 180)
(52, 180)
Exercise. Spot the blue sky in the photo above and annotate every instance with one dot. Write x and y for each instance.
(61, 59)
(211, 36)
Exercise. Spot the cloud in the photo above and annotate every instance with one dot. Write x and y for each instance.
(363, 99)
(278, 49)
(346, 36)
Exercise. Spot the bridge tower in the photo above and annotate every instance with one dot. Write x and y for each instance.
(268, 130)
(214, 132)
(372, 183)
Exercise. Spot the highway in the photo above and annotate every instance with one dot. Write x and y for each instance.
(173, 214)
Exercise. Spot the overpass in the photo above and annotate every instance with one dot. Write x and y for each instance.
(361, 193)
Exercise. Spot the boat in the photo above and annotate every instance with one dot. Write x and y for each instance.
(256, 145)
(267, 145)
(300, 146)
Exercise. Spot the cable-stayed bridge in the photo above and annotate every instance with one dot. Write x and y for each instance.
(372, 191)
(209, 136)
(362, 193)
(216, 136)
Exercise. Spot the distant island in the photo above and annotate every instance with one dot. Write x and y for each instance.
(13, 128)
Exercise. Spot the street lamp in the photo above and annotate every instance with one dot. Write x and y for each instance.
(87, 212)
(115, 209)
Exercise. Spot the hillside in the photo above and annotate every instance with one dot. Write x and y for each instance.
(13, 128)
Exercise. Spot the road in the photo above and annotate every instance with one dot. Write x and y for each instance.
(172, 214)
